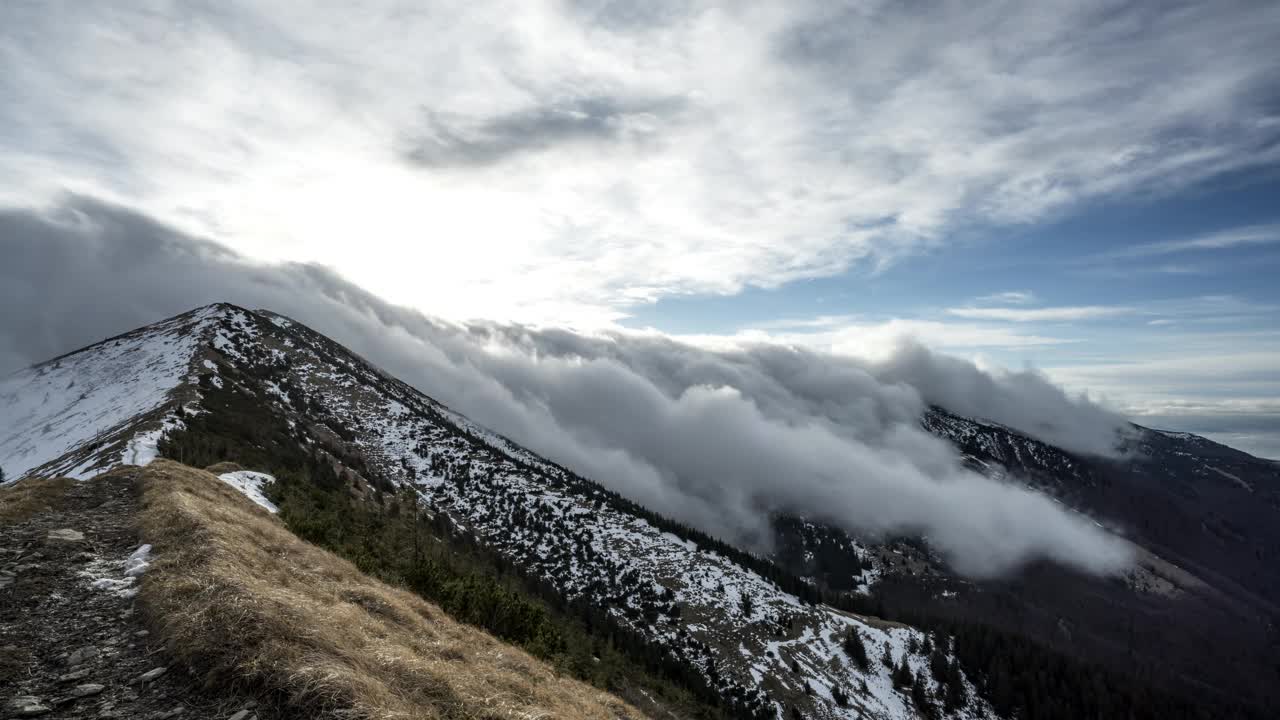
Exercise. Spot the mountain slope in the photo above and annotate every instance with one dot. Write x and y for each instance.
(344, 438)
(1204, 507)
(1197, 611)
(757, 646)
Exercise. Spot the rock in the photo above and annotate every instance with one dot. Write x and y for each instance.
(151, 674)
(168, 714)
(65, 535)
(86, 690)
(84, 654)
(142, 633)
(73, 676)
(27, 706)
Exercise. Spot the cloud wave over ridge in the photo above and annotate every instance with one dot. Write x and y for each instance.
(720, 439)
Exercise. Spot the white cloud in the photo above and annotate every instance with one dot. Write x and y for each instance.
(1155, 371)
(1230, 238)
(1224, 385)
(870, 339)
(1047, 314)
(566, 161)
(1011, 297)
(1185, 373)
(1202, 308)
(1263, 445)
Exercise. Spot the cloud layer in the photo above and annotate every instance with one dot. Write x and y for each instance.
(719, 438)
(590, 156)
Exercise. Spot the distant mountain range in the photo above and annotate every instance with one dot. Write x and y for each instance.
(828, 626)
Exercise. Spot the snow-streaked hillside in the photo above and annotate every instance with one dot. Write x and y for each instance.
(760, 646)
(76, 414)
(689, 599)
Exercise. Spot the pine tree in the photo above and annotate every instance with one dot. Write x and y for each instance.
(856, 649)
(920, 698)
(838, 694)
(939, 665)
(902, 677)
(956, 696)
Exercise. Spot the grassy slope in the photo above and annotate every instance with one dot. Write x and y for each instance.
(31, 496)
(240, 599)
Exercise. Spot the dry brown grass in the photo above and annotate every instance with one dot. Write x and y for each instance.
(240, 599)
(28, 497)
(223, 467)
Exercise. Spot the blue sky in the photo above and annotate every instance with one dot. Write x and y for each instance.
(1119, 253)
(1084, 187)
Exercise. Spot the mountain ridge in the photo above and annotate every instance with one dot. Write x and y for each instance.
(723, 613)
(231, 349)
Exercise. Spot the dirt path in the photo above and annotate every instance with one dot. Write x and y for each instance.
(71, 643)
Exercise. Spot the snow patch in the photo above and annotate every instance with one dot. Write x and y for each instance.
(102, 573)
(139, 562)
(251, 484)
(144, 447)
(1234, 478)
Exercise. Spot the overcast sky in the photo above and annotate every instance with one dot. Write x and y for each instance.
(1085, 187)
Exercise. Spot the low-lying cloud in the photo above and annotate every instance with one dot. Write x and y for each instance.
(720, 439)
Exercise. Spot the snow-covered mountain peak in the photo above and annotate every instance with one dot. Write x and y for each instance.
(83, 411)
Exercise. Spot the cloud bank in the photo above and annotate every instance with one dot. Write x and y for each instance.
(682, 147)
(717, 438)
